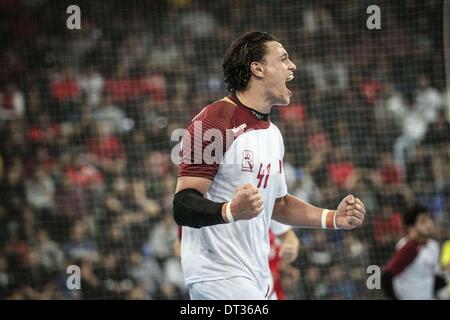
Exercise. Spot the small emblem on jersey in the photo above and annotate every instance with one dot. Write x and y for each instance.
(241, 127)
(247, 161)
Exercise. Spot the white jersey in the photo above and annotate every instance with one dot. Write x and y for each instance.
(279, 228)
(254, 155)
(414, 267)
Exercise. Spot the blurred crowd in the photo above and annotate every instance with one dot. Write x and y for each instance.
(86, 118)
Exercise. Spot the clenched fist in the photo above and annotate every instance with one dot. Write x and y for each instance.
(247, 202)
(350, 213)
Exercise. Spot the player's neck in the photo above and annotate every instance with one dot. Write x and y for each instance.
(413, 234)
(254, 100)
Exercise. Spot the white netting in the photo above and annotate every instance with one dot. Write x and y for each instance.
(86, 118)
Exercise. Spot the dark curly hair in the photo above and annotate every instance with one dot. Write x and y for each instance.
(241, 53)
(410, 216)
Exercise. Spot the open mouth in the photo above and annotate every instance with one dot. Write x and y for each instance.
(291, 77)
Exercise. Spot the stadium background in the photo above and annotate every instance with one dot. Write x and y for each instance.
(86, 118)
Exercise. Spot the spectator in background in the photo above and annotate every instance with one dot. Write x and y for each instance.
(420, 167)
(428, 99)
(12, 140)
(319, 252)
(420, 174)
(5, 225)
(12, 190)
(342, 138)
(438, 133)
(199, 22)
(110, 114)
(6, 278)
(414, 119)
(135, 148)
(441, 187)
(341, 169)
(138, 293)
(113, 280)
(40, 189)
(79, 246)
(395, 195)
(165, 53)
(70, 200)
(106, 150)
(80, 172)
(387, 227)
(91, 85)
(146, 272)
(90, 282)
(66, 95)
(39, 283)
(44, 159)
(389, 172)
(306, 189)
(113, 237)
(356, 250)
(317, 19)
(357, 254)
(43, 132)
(163, 235)
(392, 102)
(314, 288)
(158, 168)
(141, 199)
(340, 285)
(172, 286)
(319, 146)
(441, 168)
(12, 103)
(52, 257)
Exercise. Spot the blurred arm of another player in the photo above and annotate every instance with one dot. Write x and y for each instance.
(295, 212)
(192, 209)
(290, 243)
(290, 246)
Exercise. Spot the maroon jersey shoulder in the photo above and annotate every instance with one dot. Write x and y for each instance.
(231, 119)
(218, 114)
(229, 113)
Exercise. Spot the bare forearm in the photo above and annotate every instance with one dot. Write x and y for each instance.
(295, 212)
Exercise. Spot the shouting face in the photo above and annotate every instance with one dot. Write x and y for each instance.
(276, 70)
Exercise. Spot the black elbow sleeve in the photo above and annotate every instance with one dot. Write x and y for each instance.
(193, 210)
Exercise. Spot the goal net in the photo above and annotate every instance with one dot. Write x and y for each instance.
(87, 115)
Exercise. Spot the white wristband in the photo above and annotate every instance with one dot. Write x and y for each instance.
(228, 212)
(323, 220)
(324, 223)
(334, 221)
